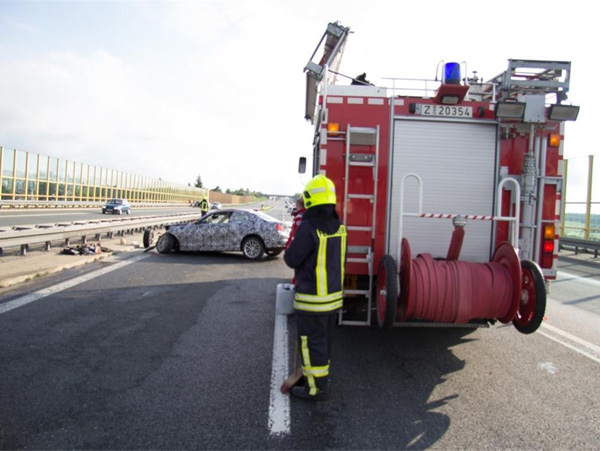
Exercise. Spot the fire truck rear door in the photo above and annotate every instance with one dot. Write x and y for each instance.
(457, 162)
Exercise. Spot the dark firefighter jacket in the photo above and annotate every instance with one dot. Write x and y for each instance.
(318, 254)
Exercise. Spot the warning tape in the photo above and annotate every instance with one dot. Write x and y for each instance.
(449, 216)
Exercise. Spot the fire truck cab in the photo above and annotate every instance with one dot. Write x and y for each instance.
(450, 189)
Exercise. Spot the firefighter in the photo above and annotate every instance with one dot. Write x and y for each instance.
(317, 254)
(204, 206)
(300, 209)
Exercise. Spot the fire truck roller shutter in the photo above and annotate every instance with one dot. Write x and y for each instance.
(457, 163)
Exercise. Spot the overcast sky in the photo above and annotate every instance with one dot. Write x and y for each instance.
(216, 88)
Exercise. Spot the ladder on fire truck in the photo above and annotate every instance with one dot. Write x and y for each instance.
(362, 150)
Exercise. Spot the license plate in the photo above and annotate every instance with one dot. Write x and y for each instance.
(447, 110)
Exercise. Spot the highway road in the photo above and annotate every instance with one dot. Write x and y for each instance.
(12, 217)
(29, 217)
(179, 351)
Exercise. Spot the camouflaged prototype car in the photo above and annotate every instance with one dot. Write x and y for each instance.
(251, 232)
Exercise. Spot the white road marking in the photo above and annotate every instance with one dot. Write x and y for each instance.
(590, 346)
(582, 342)
(586, 280)
(24, 300)
(574, 348)
(279, 405)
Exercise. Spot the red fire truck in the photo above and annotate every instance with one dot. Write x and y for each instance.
(450, 188)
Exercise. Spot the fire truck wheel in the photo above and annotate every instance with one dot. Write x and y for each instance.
(253, 248)
(165, 243)
(532, 307)
(148, 239)
(387, 292)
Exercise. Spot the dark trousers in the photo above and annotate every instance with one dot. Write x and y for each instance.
(315, 333)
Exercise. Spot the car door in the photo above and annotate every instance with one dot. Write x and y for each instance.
(210, 233)
(240, 224)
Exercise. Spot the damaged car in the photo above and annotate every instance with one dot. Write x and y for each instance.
(252, 233)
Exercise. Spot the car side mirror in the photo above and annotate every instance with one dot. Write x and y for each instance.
(302, 165)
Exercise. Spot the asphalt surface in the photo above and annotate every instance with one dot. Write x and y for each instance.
(176, 351)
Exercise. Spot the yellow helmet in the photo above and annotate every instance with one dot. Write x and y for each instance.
(319, 191)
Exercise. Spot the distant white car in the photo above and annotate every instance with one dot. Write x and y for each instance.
(216, 206)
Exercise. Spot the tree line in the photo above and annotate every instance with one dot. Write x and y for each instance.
(237, 192)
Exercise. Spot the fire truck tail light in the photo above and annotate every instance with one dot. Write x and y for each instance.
(549, 232)
(554, 140)
(333, 128)
(548, 246)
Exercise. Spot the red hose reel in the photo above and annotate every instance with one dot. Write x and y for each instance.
(457, 292)
(453, 291)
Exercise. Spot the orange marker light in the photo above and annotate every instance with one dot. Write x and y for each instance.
(549, 232)
(554, 140)
(333, 128)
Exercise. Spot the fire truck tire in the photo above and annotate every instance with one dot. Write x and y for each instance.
(532, 306)
(386, 295)
(148, 239)
(253, 248)
(165, 243)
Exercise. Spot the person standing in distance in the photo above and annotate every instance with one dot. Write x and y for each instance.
(318, 255)
(297, 220)
(204, 206)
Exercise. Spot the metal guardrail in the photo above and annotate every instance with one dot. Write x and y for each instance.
(14, 204)
(580, 245)
(27, 235)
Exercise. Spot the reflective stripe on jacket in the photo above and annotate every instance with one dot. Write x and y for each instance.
(319, 260)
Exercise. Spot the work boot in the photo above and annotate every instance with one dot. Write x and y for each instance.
(302, 392)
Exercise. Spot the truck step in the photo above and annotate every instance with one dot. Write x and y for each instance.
(365, 292)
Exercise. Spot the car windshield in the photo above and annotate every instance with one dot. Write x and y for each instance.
(265, 216)
(115, 201)
(216, 218)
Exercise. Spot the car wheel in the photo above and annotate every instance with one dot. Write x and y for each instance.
(253, 248)
(128, 211)
(165, 243)
(148, 237)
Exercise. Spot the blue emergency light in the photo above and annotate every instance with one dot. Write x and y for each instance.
(451, 74)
